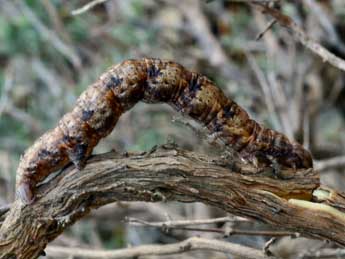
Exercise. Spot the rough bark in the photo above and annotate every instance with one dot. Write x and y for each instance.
(165, 174)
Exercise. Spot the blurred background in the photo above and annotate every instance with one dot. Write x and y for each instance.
(48, 56)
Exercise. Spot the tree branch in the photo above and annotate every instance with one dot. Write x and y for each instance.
(167, 174)
(181, 225)
(334, 162)
(190, 244)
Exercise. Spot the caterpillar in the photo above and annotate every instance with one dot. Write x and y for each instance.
(98, 109)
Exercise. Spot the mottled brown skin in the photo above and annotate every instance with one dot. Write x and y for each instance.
(151, 80)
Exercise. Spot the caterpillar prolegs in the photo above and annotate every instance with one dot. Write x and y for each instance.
(151, 80)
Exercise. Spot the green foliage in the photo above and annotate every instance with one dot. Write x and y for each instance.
(78, 29)
(18, 37)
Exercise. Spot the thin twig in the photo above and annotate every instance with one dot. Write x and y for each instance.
(266, 89)
(326, 164)
(177, 223)
(268, 27)
(303, 38)
(190, 244)
(274, 53)
(87, 7)
(325, 22)
(243, 232)
(180, 225)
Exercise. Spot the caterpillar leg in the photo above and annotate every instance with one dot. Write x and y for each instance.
(78, 155)
(280, 171)
(78, 139)
(275, 166)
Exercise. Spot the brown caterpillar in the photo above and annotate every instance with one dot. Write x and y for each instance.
(151, 80)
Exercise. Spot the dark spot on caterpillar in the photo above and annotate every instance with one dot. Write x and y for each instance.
(194, 85)
(228, 112)
(32, 168)
(217, 127)
(114, 82)
(109, 85)
(44, 153)
(184, 101)
(86, 115)
(66, 139)
(153, 71)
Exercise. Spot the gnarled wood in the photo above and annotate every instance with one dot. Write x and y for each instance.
(168, 174)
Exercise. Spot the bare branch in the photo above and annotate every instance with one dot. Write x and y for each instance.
(190, 244)
(179, 223)
(326, 164)
(303, 38)
(168, 174)
(325, 22)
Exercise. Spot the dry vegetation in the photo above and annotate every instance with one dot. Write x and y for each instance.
(269, 65)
